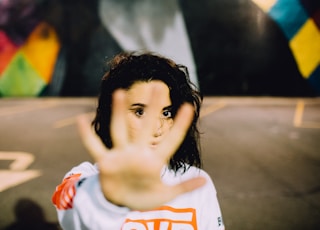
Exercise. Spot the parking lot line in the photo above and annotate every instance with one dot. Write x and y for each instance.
(11, 110)
(211, 108)
(298, 118)
(69, 121)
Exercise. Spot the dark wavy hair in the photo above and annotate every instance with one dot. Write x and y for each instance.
(127, 68)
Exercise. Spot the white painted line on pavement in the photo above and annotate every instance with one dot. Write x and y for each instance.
(17, 173)
(21, 160)
(9, 178)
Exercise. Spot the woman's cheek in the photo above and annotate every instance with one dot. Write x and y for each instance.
(169, 124)
(134, 129)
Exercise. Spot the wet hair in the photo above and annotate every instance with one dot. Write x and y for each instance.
(127, 68)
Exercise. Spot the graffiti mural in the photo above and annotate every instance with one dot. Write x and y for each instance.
(29, 49)
(236, 47)
(300, 23)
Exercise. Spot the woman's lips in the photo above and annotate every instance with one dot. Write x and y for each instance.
(154, 144)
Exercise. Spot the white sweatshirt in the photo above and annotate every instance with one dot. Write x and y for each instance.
(81, 204)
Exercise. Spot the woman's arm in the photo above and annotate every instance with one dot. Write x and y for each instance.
(63, 196)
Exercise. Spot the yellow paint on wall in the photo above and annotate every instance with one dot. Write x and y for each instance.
(265, 5)
(41, 50)
(305, 46)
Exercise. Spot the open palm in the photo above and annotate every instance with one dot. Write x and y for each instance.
(130, 172)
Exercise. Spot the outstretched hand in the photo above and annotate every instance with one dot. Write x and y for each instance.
(130, 172)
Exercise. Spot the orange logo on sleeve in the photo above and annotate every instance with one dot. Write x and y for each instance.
(62, 198)
(165, 218)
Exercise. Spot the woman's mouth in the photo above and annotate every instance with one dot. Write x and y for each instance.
(154, 144)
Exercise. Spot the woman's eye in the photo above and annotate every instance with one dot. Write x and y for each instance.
(139, 112)
(167, 114)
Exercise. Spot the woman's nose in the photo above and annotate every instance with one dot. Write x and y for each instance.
(158, 128)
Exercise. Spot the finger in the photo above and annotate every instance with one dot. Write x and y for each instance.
(118, 125)
(150, 121)
(178, 131)
(188, 186)
(167, 194)
(90, 140)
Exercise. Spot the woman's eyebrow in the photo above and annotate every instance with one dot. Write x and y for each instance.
(167, 107)
(144, 105)
(138, 105)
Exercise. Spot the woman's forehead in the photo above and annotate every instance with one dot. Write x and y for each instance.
(141, 92)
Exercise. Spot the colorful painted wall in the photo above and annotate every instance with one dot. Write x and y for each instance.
(29, 49)
(299, 21)
(234, 47)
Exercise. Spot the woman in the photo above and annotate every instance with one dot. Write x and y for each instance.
(148, 172)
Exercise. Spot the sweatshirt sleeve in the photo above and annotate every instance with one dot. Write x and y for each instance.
(210, 216)
(80, 203)
(63, 196)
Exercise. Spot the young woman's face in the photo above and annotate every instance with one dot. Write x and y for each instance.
(139, 97)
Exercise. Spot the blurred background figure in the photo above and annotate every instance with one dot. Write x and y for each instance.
(150, 25)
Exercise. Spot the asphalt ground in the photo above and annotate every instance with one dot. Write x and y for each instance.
(263, 154)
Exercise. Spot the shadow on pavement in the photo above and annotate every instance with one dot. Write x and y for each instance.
(29, 215)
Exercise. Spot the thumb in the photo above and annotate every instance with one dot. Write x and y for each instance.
(189, 185)
(90, 140)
